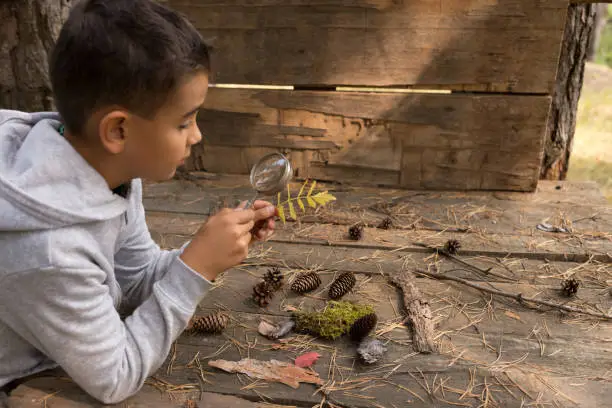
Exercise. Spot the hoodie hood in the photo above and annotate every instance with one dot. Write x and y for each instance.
(44, 182)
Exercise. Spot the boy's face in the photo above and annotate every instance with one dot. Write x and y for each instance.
(154, 148)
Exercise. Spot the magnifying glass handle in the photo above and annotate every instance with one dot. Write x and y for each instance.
(250, 202)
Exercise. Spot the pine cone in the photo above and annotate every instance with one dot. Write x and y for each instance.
(213, 323)
(452, 246)
(386, 223)
(570, 287)
(342, 285)
(306, 282)
(274, 278)
(262, 294)
(356, 232)
(363, 326)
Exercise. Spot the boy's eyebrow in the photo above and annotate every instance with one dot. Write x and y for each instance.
(191, 112)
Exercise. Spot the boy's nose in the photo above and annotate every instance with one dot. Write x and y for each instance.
(196, 136)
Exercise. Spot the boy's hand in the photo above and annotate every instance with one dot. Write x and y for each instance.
(264, 229)
(223, 241)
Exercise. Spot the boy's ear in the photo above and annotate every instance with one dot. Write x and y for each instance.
(112, 130)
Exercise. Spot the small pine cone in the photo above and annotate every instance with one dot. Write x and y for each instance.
(452, 246)
(386, 223)
(306, 282)
(342, 285)
(274, 278)
(213, 323)
(356, 232)
(363, 326)
(262, 294)
(570, 287)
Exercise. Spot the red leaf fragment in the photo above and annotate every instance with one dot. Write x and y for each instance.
(308, 359)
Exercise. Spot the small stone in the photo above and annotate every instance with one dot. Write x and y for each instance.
(371, 350)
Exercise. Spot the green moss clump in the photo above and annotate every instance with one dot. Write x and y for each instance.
(332, 322)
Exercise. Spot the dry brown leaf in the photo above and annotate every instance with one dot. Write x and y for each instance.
(273, 370)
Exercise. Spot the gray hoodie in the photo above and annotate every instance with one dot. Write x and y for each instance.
(73, 253)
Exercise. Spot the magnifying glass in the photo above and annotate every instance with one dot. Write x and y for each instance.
(269, 176)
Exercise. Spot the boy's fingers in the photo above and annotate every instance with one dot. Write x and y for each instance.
(243, 216)
(264, 213)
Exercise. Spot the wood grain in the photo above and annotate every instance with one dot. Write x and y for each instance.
(417, 141)
(509, 45)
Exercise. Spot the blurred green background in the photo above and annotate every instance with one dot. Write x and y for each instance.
(591, 157)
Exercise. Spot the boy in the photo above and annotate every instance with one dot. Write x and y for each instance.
(128, 78)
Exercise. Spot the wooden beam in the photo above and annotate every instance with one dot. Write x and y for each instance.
(504, 46)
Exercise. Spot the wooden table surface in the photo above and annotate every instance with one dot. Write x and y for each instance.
(490, 350)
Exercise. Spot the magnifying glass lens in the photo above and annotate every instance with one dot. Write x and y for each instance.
(269, 172)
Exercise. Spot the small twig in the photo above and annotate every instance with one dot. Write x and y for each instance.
(518, 297)
(464, 263)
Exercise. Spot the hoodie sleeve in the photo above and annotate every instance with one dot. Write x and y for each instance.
(139, 261)
(69, 315)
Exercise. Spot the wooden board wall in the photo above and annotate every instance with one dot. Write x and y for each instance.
(497, 60)
(506, 45)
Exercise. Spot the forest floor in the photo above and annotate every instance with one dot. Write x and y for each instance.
(591, 157)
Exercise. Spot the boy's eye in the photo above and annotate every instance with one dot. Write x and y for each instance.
(185, 126)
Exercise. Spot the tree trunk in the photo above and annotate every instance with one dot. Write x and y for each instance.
(28, 30)
(601, 17)
(562, 116)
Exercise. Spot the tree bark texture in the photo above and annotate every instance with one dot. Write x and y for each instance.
(570, 74)
(28, 30)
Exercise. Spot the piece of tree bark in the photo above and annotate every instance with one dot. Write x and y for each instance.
(28, 30)
(417, 310)
(570, 74)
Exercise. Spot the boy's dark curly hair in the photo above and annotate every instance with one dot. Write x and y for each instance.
(129, 53)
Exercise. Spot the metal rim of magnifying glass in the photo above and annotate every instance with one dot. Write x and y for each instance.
(284, 178)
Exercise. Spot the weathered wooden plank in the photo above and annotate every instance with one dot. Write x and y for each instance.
(465, 348)
(352, 174)
(540, 246)
(479, 212)
(511, 45)
(60, 392)
(458, 141)
(592, 273)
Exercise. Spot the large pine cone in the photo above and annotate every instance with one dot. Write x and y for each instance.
(306, 282)
(343, 285)
(570, 286)
(213, 323)
(262, 294)
(274, 278)
(363, 326)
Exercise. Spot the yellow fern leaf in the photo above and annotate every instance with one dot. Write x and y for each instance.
(323, 197)
(302, 189)
(301, 204)
(312, 186)
(292, 211)
(279, 207)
